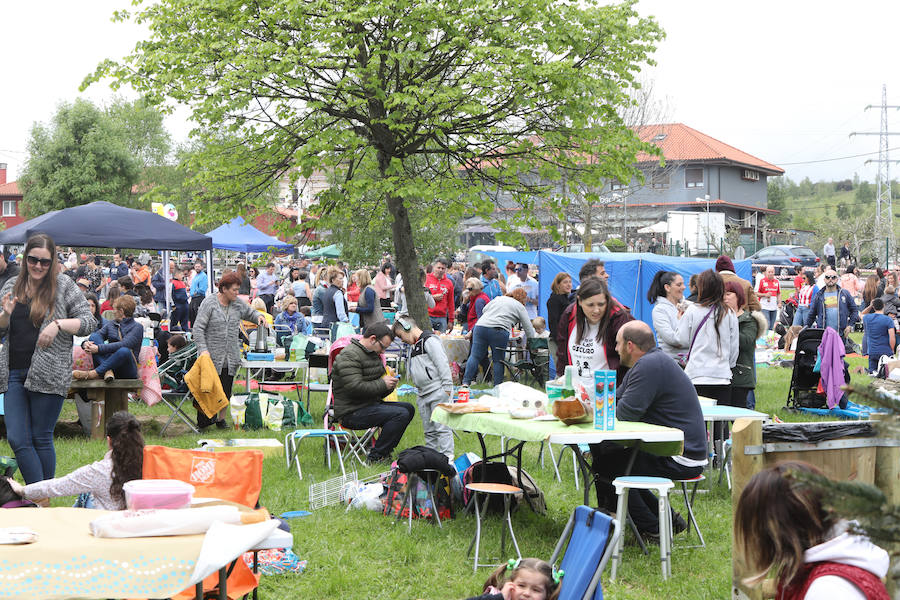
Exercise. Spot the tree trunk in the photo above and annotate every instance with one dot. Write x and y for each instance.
(405, 251)
(588, 237)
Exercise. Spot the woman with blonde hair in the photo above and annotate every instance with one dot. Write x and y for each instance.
(474, 301)
(782, 528)
(369, 306)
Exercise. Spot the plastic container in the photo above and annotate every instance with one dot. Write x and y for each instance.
(157, 493)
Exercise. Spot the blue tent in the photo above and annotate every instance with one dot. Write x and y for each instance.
(240, 236)
(630, 274)
(106, 225)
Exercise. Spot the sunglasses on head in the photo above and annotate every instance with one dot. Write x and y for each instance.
(34, 261)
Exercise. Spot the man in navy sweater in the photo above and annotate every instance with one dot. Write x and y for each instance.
(655, 390)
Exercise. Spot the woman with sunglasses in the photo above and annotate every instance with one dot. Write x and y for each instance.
(474, 301)
(41, 311)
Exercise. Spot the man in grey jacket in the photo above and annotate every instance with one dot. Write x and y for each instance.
(429, 370)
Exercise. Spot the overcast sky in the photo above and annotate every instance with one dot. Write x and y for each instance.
(787, 81)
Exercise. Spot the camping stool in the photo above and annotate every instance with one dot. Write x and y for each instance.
(661, 486)
(292, 440)
(507, 491)
(430, 479)
(689, 505)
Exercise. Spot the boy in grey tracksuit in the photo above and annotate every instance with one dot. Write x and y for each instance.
(430, 373)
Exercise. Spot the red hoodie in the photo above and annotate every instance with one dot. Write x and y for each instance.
(443, 307)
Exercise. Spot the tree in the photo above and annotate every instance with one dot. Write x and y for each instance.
(443, 102)
(79, 157)
(143, 131)
(776, 194)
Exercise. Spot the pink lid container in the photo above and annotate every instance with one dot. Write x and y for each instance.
(157, 493)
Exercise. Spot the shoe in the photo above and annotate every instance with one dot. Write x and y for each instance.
(221, 424)
(108, 376)
(79, 375)
(372, 460)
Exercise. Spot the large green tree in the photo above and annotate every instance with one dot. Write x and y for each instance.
(79, 157)
(414, 104)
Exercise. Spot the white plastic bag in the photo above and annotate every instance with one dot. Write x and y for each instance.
(275, 414)
(238, 409)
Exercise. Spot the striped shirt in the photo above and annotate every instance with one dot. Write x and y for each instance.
(805, 295)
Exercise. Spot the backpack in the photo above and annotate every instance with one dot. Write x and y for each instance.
(498, 472)
(395, 499)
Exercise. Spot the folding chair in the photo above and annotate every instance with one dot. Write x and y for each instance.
(534, 361)
(357, 444)
(232, 476)
(171, 375)
(589, 539)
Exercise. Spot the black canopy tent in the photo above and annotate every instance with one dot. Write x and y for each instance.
(106, 225)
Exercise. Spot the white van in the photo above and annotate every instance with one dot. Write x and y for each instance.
(478, 253)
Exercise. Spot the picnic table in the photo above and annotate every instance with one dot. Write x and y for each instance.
(662, 441)
(106, 398)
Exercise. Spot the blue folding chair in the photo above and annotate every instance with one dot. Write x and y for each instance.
(589, 539)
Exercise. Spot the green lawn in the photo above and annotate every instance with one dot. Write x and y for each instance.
(362, 554)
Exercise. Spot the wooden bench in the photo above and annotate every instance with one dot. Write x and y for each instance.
(106, 398)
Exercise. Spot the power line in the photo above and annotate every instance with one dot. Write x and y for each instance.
(810, 162)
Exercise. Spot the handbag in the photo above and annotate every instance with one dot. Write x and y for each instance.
(683, 362)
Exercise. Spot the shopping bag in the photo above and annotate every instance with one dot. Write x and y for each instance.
(253, 417)
(341, 329)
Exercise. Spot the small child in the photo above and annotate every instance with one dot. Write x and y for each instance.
(176, 343)
(523, 579)
(540, 327)
(429, 370)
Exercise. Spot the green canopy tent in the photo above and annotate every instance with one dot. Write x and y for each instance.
(332, 251)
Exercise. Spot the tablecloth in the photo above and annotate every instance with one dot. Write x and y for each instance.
(529, 430)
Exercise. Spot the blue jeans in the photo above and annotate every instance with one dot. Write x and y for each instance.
(121, 362)
(439, 323)
(771, 317)
(495, 338)
(178, 321)
(800, 316)
(30, 419)
(392, 417)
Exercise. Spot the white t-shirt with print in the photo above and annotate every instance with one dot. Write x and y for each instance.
(588, 355)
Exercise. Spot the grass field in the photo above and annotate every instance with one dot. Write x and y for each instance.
(361, 554)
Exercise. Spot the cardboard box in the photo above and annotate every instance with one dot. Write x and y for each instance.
(605, 400)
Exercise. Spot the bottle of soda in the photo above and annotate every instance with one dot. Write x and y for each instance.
(462, 395)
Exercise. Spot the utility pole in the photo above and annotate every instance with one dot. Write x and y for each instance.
(884, 213)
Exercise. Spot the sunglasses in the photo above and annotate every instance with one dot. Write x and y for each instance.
(470, 289)
(34, 261)
(830, 277)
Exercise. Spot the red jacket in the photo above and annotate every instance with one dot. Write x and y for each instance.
(618, 316)
(865, 580)
(472, 316)
(443, 307)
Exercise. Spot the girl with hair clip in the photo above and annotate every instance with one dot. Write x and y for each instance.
(782, 529)
(99, 484)
(666, 293)
(522, 579)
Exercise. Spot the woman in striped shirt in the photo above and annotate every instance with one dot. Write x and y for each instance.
(804, 297)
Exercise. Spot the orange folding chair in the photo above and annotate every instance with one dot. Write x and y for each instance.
(233, 476)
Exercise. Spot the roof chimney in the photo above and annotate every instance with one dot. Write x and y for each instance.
(2, 173)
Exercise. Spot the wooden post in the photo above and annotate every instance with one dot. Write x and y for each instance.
(746, 432)
(98, 413)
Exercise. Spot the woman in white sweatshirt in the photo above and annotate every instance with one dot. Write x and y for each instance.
(782, 529)
(709, 331)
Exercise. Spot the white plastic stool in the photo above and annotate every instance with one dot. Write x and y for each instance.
(689, 505)
(507, 491)
(661, 486)
(330, 436)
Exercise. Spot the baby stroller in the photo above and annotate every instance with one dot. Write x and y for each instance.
(803, 392)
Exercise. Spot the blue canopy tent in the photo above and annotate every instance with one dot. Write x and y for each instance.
(630, 274)
(105, 225)
(240, 236)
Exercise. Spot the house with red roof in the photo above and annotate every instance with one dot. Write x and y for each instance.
(10, 200)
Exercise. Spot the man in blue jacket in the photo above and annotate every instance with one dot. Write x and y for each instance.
(833, 307)
(115, 346)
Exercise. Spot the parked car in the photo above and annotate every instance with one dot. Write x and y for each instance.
(785, 258)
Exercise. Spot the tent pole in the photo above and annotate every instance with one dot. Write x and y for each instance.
(167, 278)
(210, 272)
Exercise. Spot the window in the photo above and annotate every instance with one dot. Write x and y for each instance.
(615, 184)
(9, 208)
(659, 180)
(693, 177)
(659, 137)
(750, 175)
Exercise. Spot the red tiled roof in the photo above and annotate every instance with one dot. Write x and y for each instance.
(10, 189)
(681, 143)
